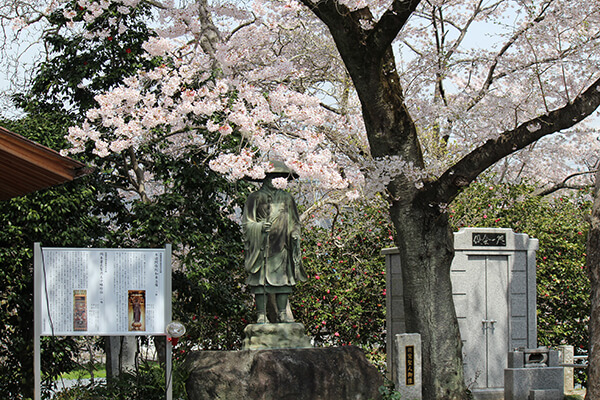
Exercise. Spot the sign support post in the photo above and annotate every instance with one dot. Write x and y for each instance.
(168, 318)
(37, 321)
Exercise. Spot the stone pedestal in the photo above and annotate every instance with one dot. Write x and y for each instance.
(533, 374)
(332, 373)
(275, 336)
(534, 383)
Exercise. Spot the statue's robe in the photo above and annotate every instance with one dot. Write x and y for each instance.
(273, 259)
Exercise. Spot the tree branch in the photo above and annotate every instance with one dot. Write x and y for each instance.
(327, 200)
(340, 19)
(139, 182)
(390, 24)
(563, 185)
(490, 76)
(447, 186)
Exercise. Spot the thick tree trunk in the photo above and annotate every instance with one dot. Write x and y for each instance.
(593, 265)
(160, 344)
(121, 352)
(426, 250)
(424, 235)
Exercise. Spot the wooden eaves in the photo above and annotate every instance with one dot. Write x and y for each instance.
(27, 166)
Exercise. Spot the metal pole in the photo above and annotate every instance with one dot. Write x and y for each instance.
(168, 318)
(37, 320)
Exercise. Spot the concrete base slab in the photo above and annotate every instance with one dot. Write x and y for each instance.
(488, 394)
(548, 394)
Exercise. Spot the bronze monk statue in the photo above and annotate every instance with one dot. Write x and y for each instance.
(273, 259)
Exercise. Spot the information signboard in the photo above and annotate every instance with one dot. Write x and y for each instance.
(103, 291)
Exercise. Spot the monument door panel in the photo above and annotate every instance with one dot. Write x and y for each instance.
(496, 327)
(468, 286)
(480, 289)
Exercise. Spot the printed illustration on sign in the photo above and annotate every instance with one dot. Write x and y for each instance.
(80, 310)
(137, 310)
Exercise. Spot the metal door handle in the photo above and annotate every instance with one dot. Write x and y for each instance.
(485, 323)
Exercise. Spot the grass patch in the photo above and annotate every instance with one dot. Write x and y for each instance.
(99, 372)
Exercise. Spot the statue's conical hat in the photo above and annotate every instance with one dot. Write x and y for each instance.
(276, 169)
(280, 169)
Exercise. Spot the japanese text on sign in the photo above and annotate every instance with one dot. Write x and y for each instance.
(410, 365)
(489, 239)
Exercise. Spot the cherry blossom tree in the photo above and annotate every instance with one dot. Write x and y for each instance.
(412, 98)
(490, 114)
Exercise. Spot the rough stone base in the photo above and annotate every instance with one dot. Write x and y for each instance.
(334, 373)
(275, 336)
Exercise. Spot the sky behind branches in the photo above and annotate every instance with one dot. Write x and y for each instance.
(17, 61)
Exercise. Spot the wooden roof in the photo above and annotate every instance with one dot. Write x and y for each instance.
(27, 166)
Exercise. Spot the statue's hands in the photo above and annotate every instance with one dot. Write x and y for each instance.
(266, 226)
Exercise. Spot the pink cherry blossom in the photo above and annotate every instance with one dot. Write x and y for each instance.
(282, 89)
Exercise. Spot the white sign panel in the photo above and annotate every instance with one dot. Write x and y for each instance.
(103, 291)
